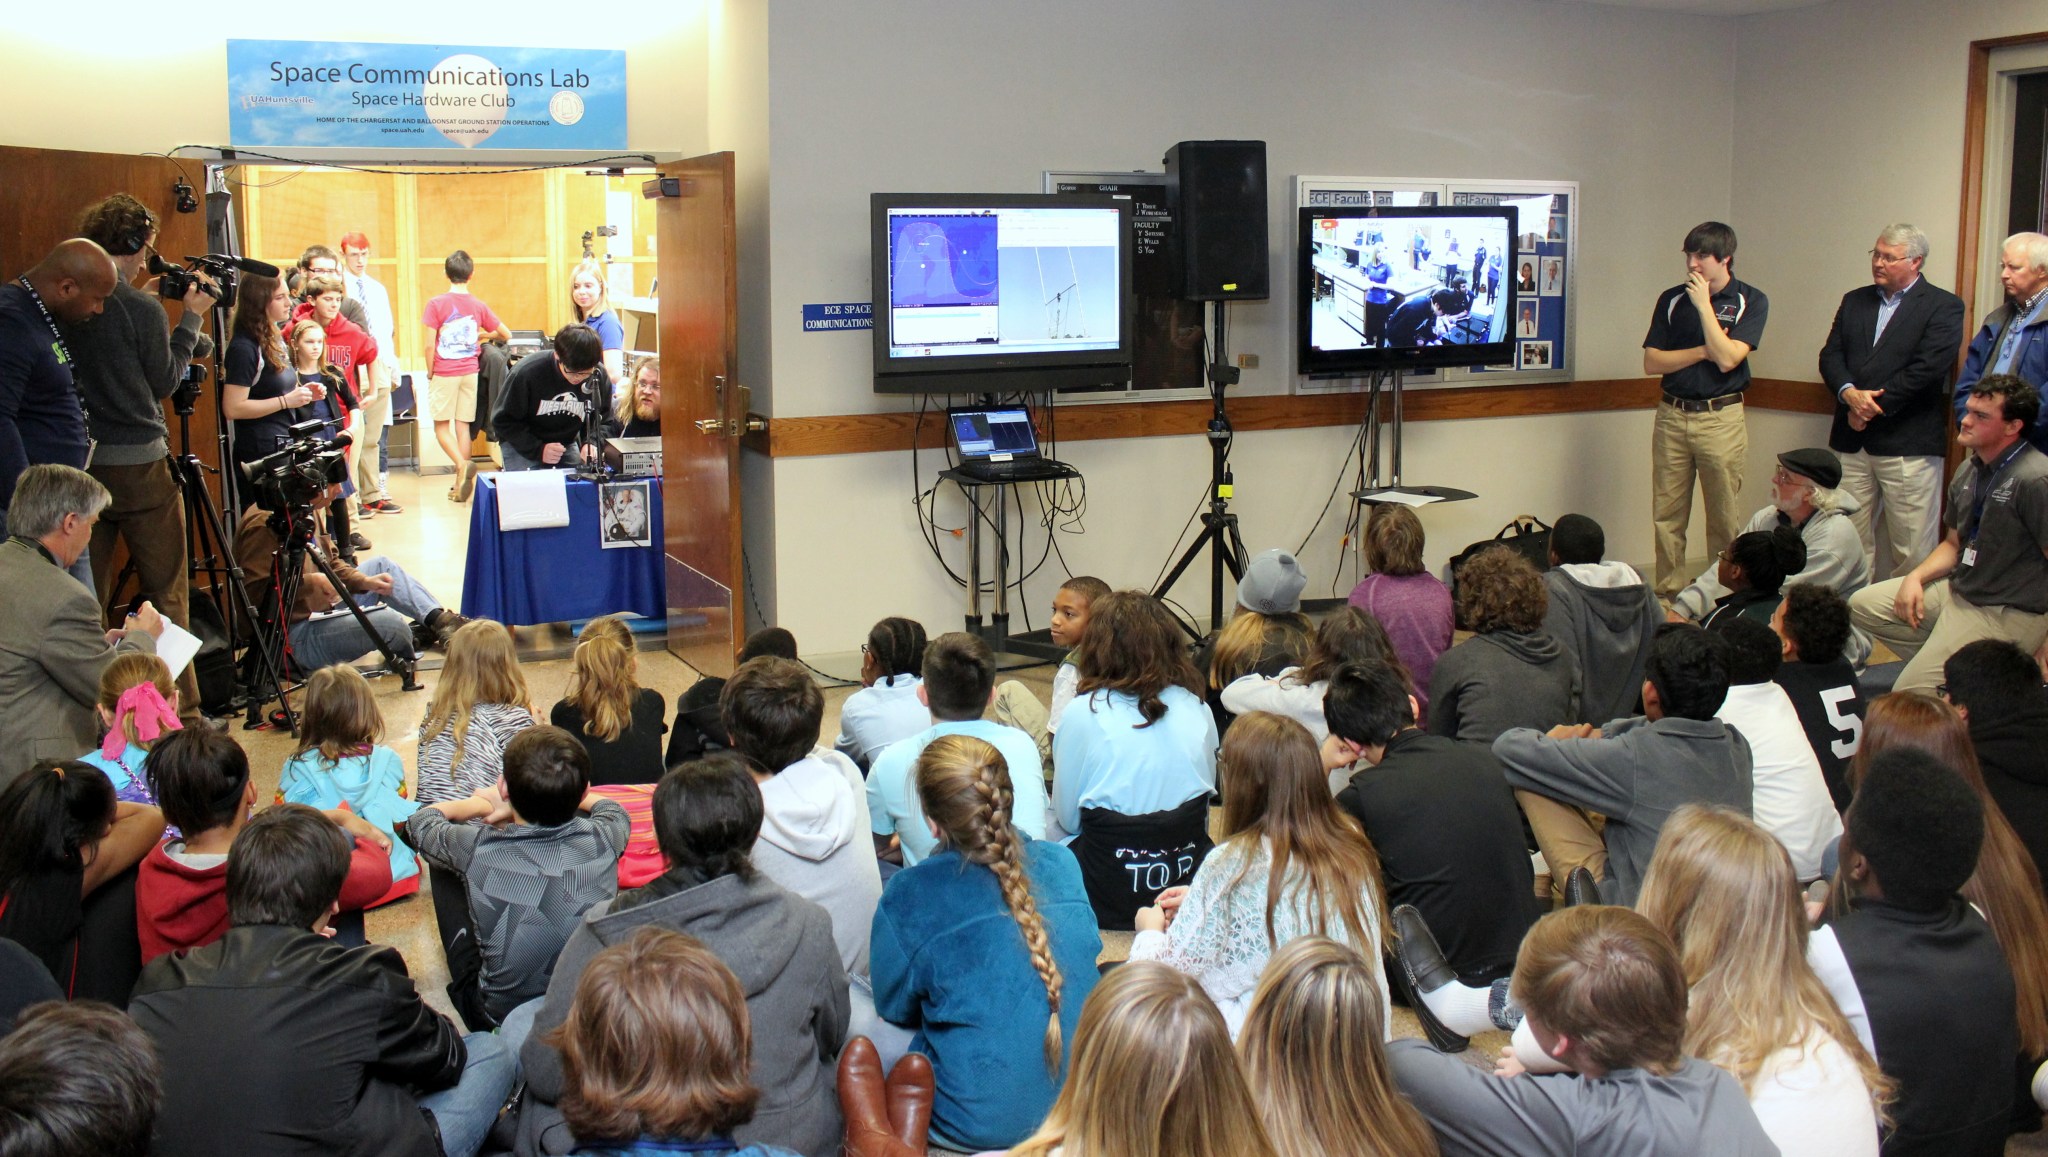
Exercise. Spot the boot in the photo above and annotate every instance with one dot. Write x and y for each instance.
(864, 1100)
(911, 1089)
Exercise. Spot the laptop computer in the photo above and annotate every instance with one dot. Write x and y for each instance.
(997, 444)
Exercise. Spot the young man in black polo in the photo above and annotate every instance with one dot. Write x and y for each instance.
(1701, 335)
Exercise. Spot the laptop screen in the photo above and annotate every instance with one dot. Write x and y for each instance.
(993, 433)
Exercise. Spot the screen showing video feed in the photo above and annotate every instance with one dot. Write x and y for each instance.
(1001, 281)
(1407, 286)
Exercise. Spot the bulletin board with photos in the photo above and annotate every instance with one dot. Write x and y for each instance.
(1542, 265)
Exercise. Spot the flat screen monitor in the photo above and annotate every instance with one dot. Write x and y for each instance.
(1404, 287)
(977, 293)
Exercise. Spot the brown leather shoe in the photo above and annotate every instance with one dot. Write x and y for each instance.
(911, 1089)
(864, 1098)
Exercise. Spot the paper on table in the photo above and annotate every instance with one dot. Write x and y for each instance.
(175, 647)
(532, 499)
(1404, 497)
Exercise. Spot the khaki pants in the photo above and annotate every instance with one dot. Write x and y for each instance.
(1948, 624)
(369, 483)
(148, 514)
(1712, 447)
(1017, 706)
(1909, 490)
(1568, 836)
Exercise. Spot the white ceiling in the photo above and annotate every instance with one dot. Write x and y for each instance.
(1705, 7)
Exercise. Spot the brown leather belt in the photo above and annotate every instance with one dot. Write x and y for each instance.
(1703, 405)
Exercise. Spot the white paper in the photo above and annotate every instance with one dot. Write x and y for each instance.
(175, 647)
(532, 499)
(1403, 497)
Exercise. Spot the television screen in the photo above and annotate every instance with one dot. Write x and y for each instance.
(988, 294)
(1404, 287)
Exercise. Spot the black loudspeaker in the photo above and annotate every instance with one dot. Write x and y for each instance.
(1217, 193)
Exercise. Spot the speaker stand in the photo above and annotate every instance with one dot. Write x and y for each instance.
(1219, 526)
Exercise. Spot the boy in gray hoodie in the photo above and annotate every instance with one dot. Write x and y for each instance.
(1601, 612)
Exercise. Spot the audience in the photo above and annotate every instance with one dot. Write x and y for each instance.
(1441, 818)
(531, 861)
(341, 763)
(202, 779)
(959, 684)
(479, 703)
(1412, 604)
(1018, 705)
(1996, 688)
(1753, 571)
(618, 721)
(815, 829)
(1346, 636)
(1604, 995)
(1727, 894)
(138, 706)
(1634, 772)
(1789, 797)
(76, 1079)
(1267, 634)
(657, 1052)
(314, 1044)
(698, 730)
(1136, 754)
(1914, 967)
(1152, 1075)
(886, 708)
(1813, 620)
(1511, 673)
(24, 980)
(707, 815)
(997, 1062)
(1603, 614)
(1313, 1058)
(1291, 864)
(68, 850)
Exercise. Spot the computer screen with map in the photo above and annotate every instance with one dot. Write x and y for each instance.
(981, 293)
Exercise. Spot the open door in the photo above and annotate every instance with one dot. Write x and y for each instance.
(703, 411)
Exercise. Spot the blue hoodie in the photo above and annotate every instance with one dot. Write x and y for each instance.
(373, 787)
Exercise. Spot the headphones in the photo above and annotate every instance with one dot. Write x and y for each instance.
(131, 242)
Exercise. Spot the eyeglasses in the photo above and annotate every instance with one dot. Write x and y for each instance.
(1887, 259)
(1941, 689)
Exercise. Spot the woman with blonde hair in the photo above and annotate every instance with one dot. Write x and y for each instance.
(997, 1043)
(1153, 1075)
(620, 722)
(1291, 864)
(592, 301)
(478, 705)
(1313, 1056)
(1347, 636)
(1724, 890)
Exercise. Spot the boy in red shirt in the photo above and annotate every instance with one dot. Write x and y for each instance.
(457, 326)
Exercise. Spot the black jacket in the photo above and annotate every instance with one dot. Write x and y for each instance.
(277, 1041)
(1912, 365)
(539, 406)
(2010, 750)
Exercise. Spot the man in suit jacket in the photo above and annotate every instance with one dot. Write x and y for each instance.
(2014, 339)
(1888, 360)
(52, 649)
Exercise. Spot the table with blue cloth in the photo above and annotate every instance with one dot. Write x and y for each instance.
(559, 574)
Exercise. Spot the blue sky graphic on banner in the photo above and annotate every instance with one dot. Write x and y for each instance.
(311, 94)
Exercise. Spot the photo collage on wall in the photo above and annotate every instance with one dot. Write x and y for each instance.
(1538, 272)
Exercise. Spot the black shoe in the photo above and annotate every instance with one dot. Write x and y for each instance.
(357, 541)
(1581, 888)
(444, 624)
(1424, 970)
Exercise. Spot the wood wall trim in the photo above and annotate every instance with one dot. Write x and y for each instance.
(876, 433)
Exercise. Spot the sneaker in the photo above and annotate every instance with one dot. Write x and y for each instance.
(364, 513)
(357, 541)
(384, 506)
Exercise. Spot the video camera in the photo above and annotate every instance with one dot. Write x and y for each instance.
(301, 470)
(175, 281)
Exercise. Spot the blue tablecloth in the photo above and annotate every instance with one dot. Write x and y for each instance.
(561, 574)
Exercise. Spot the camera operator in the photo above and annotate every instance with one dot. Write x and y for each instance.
(338, 638)
(262, 392)
(127, 361)
(544, 417)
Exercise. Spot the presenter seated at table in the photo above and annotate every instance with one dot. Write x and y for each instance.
(639, 409)
(404, 614)
(554, 404)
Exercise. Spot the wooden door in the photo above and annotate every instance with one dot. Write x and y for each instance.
(703, 411)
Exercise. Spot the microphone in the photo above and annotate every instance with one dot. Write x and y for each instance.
(246, 265)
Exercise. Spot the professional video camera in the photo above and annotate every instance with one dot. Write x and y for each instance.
(175, 281)
(300, 470)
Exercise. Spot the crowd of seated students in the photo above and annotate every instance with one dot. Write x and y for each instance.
(893, 940)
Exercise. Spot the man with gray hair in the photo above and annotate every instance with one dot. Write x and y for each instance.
(2014, 339)
(1888, 359)
(52, 647)
(1806, 495)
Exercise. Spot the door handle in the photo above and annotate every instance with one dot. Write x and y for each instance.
(709, 425)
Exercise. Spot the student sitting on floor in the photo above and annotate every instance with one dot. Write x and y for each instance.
(1412, 604)
(1789, 796)
(1511, 672)
(1754, 569)
(1137, 759)
(1266, 634)
(1814, 621)
(1603, 613)
(203, 779)
(138, 706)
(618, 721)
(341, 763)
(698, 731)
(1016, 704)
(1347, 636)
(544, 852)
(886, 707)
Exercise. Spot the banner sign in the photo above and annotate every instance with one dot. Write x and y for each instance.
(845, 315)
(308, 94)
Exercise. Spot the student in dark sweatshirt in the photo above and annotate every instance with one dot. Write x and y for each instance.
(1997, 688)
(1512, 673)
(1603, 613)
(545, 409)
(698, 730)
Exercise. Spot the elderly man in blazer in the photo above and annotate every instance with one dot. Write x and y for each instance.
(1888, 360)
(52, 647)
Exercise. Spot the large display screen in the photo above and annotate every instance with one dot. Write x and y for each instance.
(1012, 286)
(1404, 287)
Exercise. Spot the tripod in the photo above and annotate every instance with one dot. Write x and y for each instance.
(1219, 526)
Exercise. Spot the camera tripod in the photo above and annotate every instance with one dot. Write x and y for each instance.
(294, 528)
(1219, 526)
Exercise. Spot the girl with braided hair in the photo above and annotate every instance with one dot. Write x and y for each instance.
(886, 708)
(994, 1002)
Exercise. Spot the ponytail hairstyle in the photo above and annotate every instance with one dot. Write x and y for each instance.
(131, 669)
(1351, 635)
(1132, 645)
(897, 647)
(252, 318)
(965, 788)
(1250, 639)
(602, 686)
(53, 815)
(339, 714)
(481, 667)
